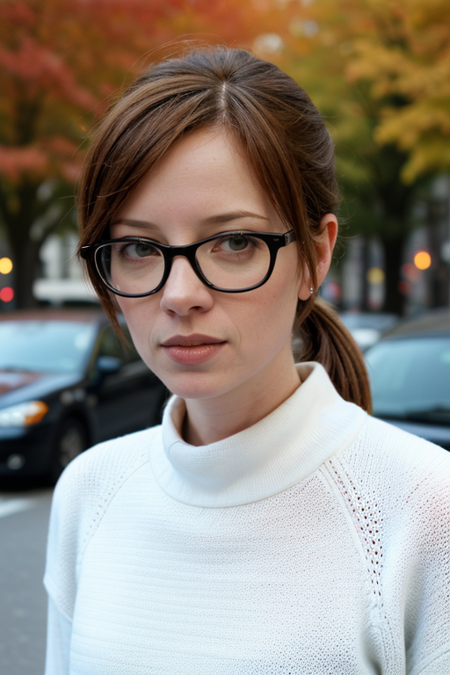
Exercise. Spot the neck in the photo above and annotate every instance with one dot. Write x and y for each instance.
(210, 420)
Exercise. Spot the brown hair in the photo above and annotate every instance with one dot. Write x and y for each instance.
(287, 145)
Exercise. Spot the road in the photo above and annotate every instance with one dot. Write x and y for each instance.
(23, 604)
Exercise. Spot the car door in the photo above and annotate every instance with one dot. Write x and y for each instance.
(128, 395)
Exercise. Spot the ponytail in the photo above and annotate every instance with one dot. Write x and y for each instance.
(321, 336)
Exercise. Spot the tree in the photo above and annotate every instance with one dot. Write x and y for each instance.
(61, 62)
(406, 60)
(379, 71)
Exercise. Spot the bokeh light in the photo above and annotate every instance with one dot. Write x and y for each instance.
(410, 272)
(422, 260)
(6, 294)
(375, 275)
(5, 265)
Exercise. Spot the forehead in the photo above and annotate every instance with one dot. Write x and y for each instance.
(205, 173)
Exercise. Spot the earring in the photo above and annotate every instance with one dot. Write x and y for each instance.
(311, 290)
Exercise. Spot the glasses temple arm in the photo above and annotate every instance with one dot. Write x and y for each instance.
(289, 237)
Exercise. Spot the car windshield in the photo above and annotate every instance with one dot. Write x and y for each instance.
(44, 346)
(410, 379)
(376, 321)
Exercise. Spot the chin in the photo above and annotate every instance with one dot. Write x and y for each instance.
(197, 385)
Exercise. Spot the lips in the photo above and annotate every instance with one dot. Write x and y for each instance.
(191, 350)
(194, 340)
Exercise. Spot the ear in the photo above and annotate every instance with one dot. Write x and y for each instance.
(324, 246)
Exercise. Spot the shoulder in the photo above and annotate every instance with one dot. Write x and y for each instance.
(381, 447)
(109, 461)
(82, 496)
(396, 488)
(101, 470)
(408, 456)
(402, 477)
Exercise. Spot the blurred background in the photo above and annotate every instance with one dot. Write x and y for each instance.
(378, 71)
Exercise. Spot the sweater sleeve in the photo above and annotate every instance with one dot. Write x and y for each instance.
(427, 583)
(59, 631)
(65, 540)
(397, 489)
(81, 498)
(438, 666)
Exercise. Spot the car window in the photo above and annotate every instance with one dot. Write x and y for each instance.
(411, 378)
(110, 345)
(379, 322)
(45, 346)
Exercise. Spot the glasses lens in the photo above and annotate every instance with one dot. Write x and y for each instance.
(234, 262)
(131, 267)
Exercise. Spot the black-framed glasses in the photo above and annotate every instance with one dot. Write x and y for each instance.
(230, 262)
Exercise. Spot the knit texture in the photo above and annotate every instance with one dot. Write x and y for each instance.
(316, 542)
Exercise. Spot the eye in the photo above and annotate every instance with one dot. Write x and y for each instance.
(236, 243)
(139, 250)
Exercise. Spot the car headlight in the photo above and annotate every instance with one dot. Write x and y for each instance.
(24, 414)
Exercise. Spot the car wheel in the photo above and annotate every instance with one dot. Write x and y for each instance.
(70, 441)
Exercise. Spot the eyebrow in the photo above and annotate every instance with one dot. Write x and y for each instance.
(212, 220)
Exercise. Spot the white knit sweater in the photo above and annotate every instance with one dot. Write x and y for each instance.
(315, 542)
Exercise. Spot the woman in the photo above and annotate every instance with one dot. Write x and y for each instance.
(269, 525)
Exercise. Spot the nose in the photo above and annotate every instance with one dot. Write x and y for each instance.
(183, 291)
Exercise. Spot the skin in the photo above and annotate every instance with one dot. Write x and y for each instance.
(252, 371)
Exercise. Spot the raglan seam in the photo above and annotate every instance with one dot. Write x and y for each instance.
(435, 656)
(347, 486)
(102, 511)
(100, 506)
(53, 593)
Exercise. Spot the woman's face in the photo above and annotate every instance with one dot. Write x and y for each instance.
(202, 343)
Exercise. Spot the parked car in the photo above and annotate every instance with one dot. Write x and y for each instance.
(66, 383)
(367, 327)
(409, 371)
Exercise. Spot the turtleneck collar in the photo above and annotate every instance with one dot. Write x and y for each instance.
(274, 454)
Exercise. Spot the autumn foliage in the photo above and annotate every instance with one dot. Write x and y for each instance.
(61, 60)
(378, 69)
(61, 64)
(402, 49)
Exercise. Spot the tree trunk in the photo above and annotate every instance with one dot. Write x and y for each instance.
(24, 251)
(365, 268)
(394, 300)
(25, 248)
(26, 264)
(438, 273)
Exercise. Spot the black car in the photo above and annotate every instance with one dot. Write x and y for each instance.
(67, 382)
(409, 371)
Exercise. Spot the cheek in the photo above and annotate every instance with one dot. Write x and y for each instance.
(138, 315)
(269, 315)
(284, 304)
